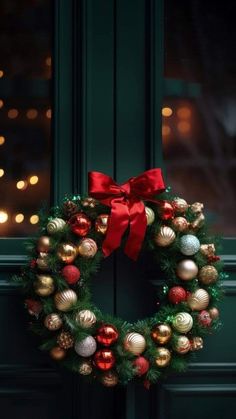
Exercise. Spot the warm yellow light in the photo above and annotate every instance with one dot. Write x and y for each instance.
(33, 180)
(3, 216)
(48, 61)
(166, 130)
(49, 113)
(167, 111)
(184, 127)
(34, 219)
(1, 103)
(21, 184)
(32, 114)
(184, 112)
(1, 172)
(19, 218)
(2, 140)
(13, 113)
(1, 74)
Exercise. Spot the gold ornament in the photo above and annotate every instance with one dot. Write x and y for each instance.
(134, 343)
(198, 222)
(42, 262)
(86, 318)
(179, 205)
(89, 202)
(109, 379)
(87, 248)
(207, 249)
(56, 225)
(67, 252)
(64, 300)
(183, 322)
(198, 300)
(187, 269)
(101, 223)
(44, 244)
(53, 321)
(44, 285)
(182, 344)
(208, 275)
(161, 333)
(196, 343)
(180, 224)
(165, 237)
(57, 353)
(150, 215)
(214, 313)
(65, 340)
(163, 357)
(197, 207)
(85, 368)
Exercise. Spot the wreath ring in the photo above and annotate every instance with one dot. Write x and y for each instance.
(68, 251)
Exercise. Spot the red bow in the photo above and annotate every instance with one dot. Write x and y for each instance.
(127, 207)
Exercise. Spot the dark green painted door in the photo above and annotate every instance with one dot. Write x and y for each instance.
(107, 99)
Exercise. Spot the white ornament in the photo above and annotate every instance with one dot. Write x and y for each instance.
(183, 322)
(55, 225)
(86, 347)
(189, 244)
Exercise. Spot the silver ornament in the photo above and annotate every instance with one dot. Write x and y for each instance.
(86, 347)
(183, 322)
(55, 225)
(189, 244)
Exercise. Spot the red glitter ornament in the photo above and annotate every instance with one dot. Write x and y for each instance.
(34, 307)
(204, 318)
(71, 274)
(107, 334)
(177, 295)
(165, 210)
(104, 359)
(80, 224)
(142, 365)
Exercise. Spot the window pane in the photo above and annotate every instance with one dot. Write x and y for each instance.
(25, 113)
(199, 129)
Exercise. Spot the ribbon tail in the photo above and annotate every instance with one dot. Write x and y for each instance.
(138, 225)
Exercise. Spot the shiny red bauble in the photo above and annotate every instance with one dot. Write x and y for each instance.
(71, 274)
(177, 295)
(80, 224)
(142, 365)
(107, 334)
(204, 318)
(165, 210)
(104, 359)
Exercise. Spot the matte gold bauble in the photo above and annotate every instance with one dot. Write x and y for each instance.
(197, 207)
(53, 321)
(196, 343)
(85, 368)
(101, 223)
(182, 345)
(180, 224)
(56, 225)
(65, 340)
(67, 252)
(183, 322)
(163, 357)
(207, 250)
(161, 333)
(134, 343)
(44, 244)
(86, 318)
(44, 285)
(150, 215)
(87, 248)
(214, 313)
(187, 270)
(180, 205)
(57, 353)
(208, 275)
(42, 262)
(109, 379)
(64, 300)
(198, 300)
(165, 237)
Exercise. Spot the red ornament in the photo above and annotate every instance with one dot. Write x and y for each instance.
(107, 334)
(142, 365)
(177, 295)
(165, 210)
(147, 384)
(80, 224)
(71, 274)
(204, 318)
(34, 307)
(213, 258)
(104, 359)
(33, 263)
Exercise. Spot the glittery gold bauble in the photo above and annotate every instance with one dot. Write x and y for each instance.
(87, 248)
(89, 202)
(208, 275)
(214, 313)
(187, 269)
(44, 244)
(196, 343)
(65, 340)
(198, 222)
(86, 318)
(57, 353)
(197, 207)
(179, 205)
(101, 223)
(44, 285)
(180, 224)
(64, 300)
(150, 215)
(207, 249)
(183, 322)
(161, 333)
(134, 343)
(163, 357)
(42, 262)
(198, 300)
(53, 321)
(182, 344)
(56, 225)
(165, 237)
(109, 379)
(67, 252)
(85, 368)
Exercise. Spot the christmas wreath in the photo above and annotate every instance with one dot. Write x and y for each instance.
(144, 219)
